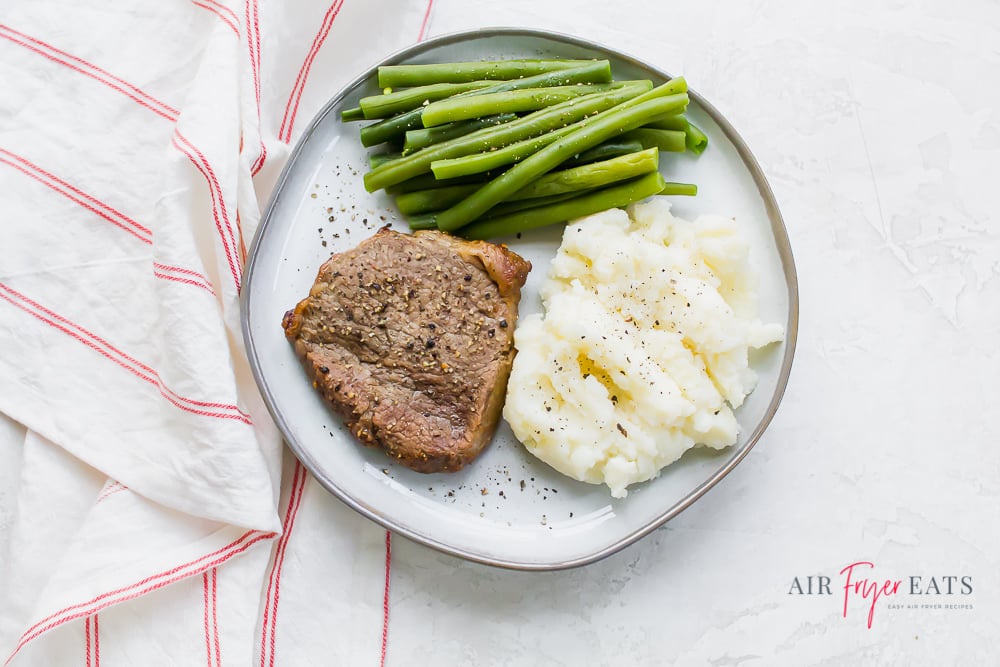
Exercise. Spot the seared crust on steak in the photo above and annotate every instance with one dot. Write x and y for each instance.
(409, 337)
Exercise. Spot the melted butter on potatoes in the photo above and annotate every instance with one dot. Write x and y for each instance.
(642, 352)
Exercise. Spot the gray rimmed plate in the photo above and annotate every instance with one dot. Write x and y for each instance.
(507, 508)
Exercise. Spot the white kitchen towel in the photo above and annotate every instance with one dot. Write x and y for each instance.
(138, 144)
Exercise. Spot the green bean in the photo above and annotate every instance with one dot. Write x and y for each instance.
(533, 124)
(464, 165)
(425, 136)
(616, 196)
(389, 104)
(696, 140)
(425, 221)
(668, 141)
(675, 122)
(427, 181)
(426, 210)
(491, 160)
(582, 136)
(478, 163)
(436, 199)
(396, 76)
(686, 189)
(601, 128)
(390, 128)
(427, 201)
(584, 177)
(598, 71)
(509, 101)
(376, 159)
(354, 113)
(594, 175)
(509, 207)
(605, 151)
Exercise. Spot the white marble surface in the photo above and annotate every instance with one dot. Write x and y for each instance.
(878, 127)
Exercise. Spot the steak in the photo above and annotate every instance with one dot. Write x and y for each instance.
(409, 338)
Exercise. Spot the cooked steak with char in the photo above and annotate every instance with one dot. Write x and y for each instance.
(409, 337)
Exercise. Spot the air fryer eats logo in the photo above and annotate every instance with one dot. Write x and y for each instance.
(863, 590)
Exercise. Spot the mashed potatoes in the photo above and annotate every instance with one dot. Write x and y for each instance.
(642, 351)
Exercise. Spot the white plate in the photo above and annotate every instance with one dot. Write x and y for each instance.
(507, 508)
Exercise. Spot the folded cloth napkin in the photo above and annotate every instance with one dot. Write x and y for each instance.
(146, 513)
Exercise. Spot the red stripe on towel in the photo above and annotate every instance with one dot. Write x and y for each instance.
(228, 18)
(92, 641)
(292, 107)
(97, 643)
(86, 641)
(215, 616)
(269, 626)
(219, 211)
(243, 242)
(110, 490)
(385, 598)
(105, 211)
(253, 46)
(204, 614)
(223, 9)
(129, 363)
(426, 21)
(134, 93)
(141, 587)
(181, 275)
(211, 616)
(186, 281)
(76, 195)
(89, 69)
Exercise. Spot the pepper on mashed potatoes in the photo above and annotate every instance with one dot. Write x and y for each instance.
(642, 352)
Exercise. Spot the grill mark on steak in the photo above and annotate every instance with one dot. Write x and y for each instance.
(409, 337)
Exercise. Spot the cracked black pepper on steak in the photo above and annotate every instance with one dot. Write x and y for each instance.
(407, 338)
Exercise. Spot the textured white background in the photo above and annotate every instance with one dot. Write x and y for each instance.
(877, 125)
(878, 128)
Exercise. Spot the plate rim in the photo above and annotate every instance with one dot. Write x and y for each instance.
(778, 230)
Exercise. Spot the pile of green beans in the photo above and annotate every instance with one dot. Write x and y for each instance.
(487, 149)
